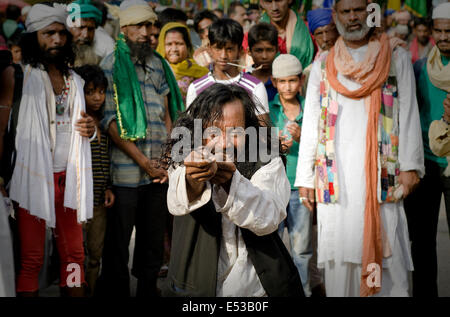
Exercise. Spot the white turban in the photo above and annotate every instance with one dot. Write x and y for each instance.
(442, 11)
(134, 12)
(41, 16)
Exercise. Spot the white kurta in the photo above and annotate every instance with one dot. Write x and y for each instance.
(341, 225)
(258, 205)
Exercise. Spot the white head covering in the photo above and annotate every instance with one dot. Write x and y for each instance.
(442, 11)
(25, 10)
(286, 65)
(41, 16)
(135, 12)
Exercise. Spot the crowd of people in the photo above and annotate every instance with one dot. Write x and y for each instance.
(97, 97)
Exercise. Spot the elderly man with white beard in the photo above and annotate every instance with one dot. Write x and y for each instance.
(84, 35)
(360, 154)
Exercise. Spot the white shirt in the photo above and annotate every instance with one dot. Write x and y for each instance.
(258, 205)
(341, 225)
(246, 81)
(103, 43)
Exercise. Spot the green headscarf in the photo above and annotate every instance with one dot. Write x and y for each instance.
(130, 107)
(89, 11)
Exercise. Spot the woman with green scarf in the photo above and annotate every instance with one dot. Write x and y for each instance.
(175, 46)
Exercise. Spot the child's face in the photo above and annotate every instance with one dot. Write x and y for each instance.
(288, 87)
(95, 97)
(230, 53)
(16, 53)
(263, 53)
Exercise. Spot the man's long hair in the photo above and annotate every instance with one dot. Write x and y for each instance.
(208, 106)
(33, 55)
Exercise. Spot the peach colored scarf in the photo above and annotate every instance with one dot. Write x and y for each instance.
(371, 73)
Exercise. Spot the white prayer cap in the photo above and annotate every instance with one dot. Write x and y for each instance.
(135, 12)
(286, 65)
(442, 11)
(41, 16)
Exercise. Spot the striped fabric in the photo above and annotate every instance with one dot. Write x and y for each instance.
(100, 168)
(246, 81)
(124, 171)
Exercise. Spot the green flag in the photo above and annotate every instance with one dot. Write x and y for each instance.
(417, 7)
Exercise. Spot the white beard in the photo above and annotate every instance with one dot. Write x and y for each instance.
(85, 55)
(354, 35)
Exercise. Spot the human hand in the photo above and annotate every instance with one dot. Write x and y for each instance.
(86, 125)
(295, 131)
(199, 168)
(224, 173)
(409, 180)
(109, 198)
(286, 141)
(446, 105)
(157, 173)
(307, 197)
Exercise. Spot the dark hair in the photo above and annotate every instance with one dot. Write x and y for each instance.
(233, 6)
(14, 40)
(99, 5)
(32, 54)
(157, 24)
(172, 15)
(253, 6)
(225, 30)
(185, 35)
(422, 21)
(262, 32)
(92, 74)
(13, 12)
(205, 14)
(208, 106)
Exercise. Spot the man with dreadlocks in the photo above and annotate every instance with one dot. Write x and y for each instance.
(225, 240)
(52, 178)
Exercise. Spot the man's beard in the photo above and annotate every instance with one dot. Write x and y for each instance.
(85, 55)
(423, 40)
(57, 57)
(352, 35)
(247, 169)
(140, 50)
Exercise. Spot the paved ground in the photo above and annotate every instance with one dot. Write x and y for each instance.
(443, 245)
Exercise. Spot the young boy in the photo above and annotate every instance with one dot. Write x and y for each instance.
(286, 113)
(94, 92)
(225, 48)
(263, 48)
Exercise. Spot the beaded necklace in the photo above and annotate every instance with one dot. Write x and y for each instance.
(60, 100)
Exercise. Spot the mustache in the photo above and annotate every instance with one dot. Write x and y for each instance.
(442, 42)
(57, 48)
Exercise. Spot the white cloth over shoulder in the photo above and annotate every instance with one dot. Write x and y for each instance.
(103, 43)
(32, 180)
(341, 225)
(258, 204)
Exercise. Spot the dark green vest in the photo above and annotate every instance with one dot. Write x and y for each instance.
(195, 253)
